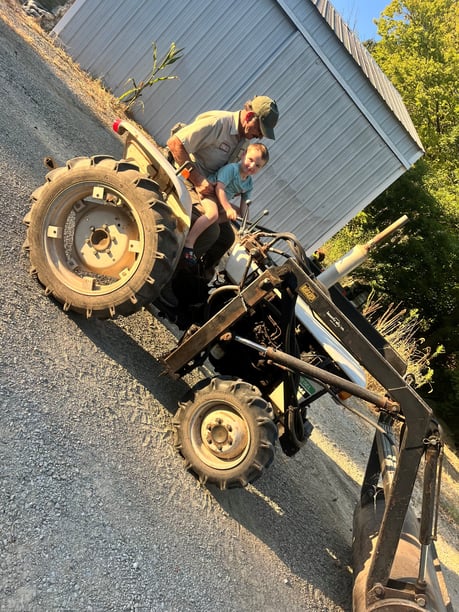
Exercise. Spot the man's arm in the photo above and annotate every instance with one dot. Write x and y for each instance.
(180, 154)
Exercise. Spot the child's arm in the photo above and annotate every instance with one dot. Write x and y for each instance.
(226, 205)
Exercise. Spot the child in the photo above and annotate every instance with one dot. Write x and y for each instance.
(231, 180)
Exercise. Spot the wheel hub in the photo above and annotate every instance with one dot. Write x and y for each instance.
(100, 239)
(106, 240)
(219, 436)
(225, 434)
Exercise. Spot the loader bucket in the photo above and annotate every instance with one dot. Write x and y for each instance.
(403, 591)
(394, 559)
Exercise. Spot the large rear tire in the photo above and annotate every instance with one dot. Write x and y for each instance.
(225, 431)
(101, 240)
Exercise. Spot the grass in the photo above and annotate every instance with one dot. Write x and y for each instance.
(89, 90)
(401, 328)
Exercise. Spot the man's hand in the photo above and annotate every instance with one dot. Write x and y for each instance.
(180, 154)
(205, 188)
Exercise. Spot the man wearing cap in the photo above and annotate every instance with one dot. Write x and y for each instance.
(212, 140)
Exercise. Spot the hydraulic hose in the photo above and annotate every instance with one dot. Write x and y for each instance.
(322, 375)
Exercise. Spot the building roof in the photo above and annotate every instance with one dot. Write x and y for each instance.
(367, 64)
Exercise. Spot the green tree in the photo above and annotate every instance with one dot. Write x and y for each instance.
(419, 51)
(419, 265)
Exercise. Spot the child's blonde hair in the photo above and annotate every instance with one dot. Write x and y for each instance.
(262, 150)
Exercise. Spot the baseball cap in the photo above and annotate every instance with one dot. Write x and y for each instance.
(267, 112)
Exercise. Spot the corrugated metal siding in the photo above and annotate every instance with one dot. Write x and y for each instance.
(349, 70)
(325, 147)
(337, 145)
(220, 61)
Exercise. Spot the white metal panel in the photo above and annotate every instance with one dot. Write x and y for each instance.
(324, 40)
(332, 159)
(337, 146)
(221, 65)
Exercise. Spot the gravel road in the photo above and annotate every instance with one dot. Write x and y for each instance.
(97, 511)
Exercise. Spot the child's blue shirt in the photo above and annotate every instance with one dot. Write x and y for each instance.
(234, 185)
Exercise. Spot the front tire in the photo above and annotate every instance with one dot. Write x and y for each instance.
(101, 239)
(225, 431)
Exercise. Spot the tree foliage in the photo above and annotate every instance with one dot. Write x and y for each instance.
(419, 265)
(419, 52)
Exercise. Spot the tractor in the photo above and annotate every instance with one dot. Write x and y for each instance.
(274, 333)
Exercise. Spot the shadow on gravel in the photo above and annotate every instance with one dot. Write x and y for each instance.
(136, 360)
(290, 507)
(294, 510)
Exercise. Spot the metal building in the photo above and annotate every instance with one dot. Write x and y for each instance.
(344, 134)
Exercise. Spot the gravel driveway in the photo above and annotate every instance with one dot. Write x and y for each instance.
(98, 512)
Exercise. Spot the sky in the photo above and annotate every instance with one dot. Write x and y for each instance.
(359, 15)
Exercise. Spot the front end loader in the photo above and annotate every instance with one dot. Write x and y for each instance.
(394, 559)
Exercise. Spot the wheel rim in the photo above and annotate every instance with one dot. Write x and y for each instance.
(220, 435)
(94, 239)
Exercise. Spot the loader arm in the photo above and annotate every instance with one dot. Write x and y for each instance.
(417, 414)
(383, 531)
(421, 437)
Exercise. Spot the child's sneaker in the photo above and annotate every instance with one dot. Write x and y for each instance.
(189, 257)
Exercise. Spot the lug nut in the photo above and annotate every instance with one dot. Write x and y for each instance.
(421, 601)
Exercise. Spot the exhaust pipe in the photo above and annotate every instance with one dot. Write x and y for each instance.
(357, 255)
